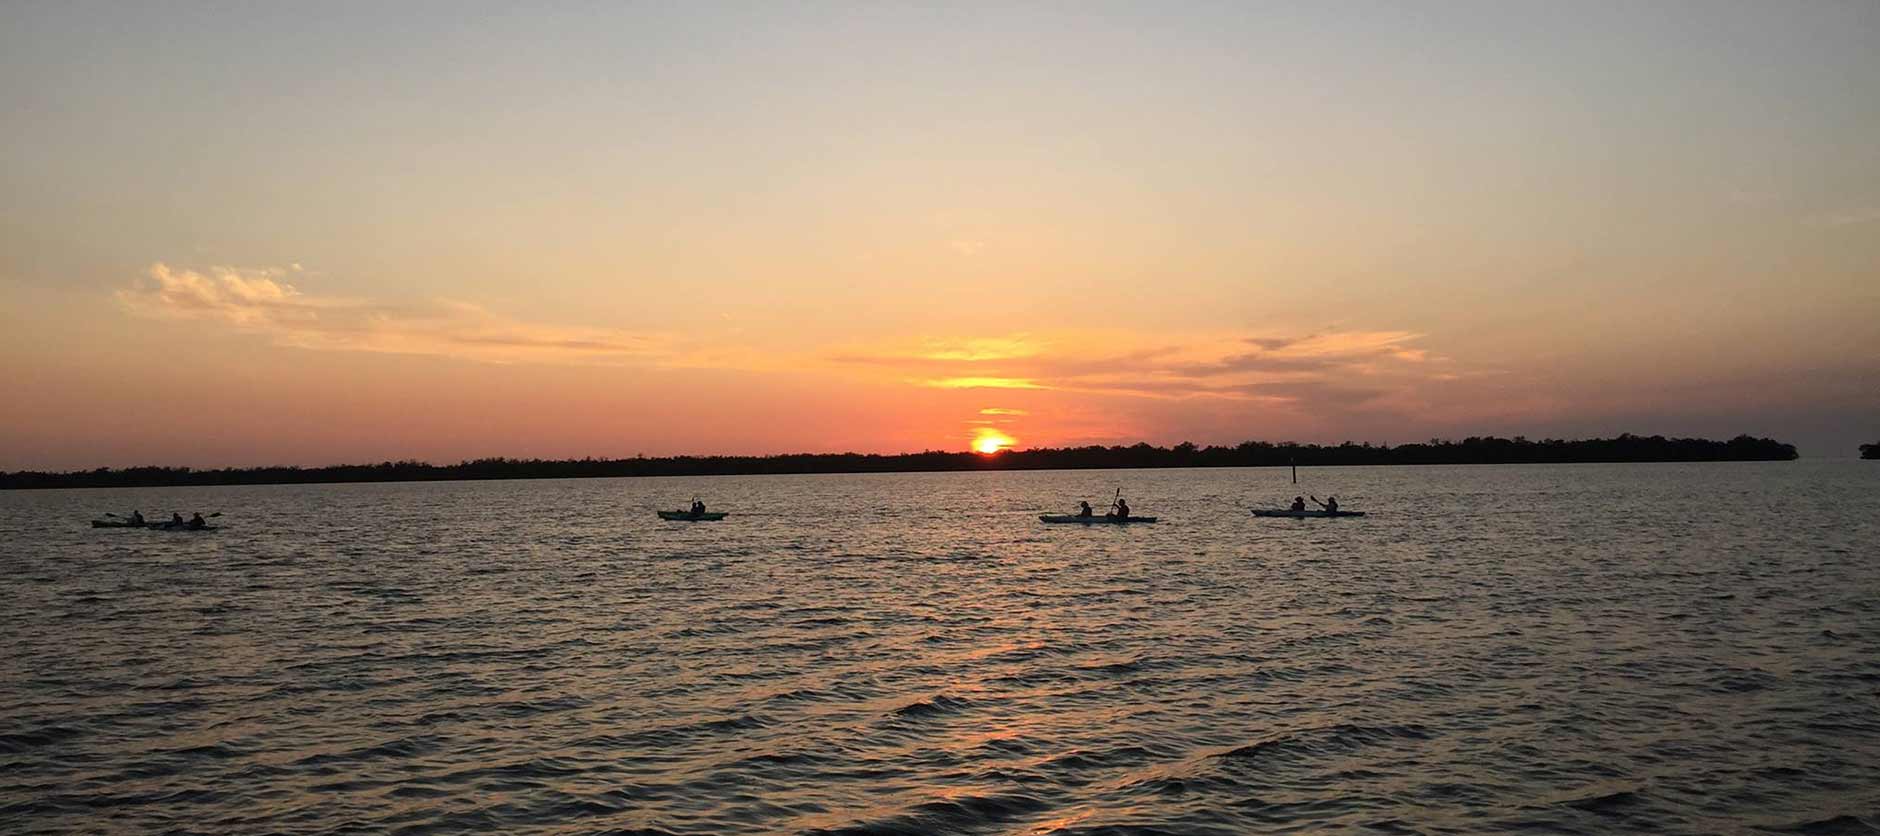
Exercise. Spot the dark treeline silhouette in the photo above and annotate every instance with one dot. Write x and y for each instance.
(1474, 450)
(1870, 451)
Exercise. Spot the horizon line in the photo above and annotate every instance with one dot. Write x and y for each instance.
(925, 452)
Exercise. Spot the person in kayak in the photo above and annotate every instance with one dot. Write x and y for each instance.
(137, 518)
(176, 518)
(1330, 504)
(1122, 509)
(1299, 504)
(197, 523)
(1083, 509)
(698, 508)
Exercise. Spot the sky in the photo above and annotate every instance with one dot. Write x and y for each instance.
(294, 233)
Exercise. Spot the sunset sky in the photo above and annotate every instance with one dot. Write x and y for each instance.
(240, 234)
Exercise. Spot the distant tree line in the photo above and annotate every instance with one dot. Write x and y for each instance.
(1472, 450)
(1870, 451)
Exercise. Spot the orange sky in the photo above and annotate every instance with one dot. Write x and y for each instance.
(281, 236)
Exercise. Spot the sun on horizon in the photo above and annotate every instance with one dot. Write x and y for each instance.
(988, 441)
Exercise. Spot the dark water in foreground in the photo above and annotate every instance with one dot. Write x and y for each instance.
(1590, 649)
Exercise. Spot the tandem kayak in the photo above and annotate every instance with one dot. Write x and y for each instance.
(1091, 520)
(153, 526)
(1300, 515)
(688, 516)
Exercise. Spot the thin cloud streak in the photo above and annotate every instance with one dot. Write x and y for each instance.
(1850, 217)
(943, 352)
(260, 301)
(983, 383)
(1321, 374)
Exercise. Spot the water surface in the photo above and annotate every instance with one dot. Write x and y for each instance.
(1578, 648)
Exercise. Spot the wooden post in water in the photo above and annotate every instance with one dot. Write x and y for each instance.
(1295, 465)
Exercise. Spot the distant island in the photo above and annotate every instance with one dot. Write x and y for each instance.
(1870, 451)
(1473, 450)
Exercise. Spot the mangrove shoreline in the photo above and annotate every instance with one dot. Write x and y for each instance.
(1473, 450)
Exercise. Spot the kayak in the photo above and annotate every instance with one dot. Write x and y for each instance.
(1091, 520)
(117, 524)
(1300, 515)
(688, 516)
(182, 527)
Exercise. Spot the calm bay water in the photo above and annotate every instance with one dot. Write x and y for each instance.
(1583, 648)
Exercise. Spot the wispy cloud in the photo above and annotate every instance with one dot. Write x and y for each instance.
(1848, 217)
(983, 383)
(1327, 371)
(1315, 353)
(1317, 373)
(937, 351)
(261, 301)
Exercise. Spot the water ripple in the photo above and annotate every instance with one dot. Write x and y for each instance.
(1579, 649)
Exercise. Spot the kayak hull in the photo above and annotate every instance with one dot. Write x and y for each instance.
(153, 526)
(1300, 515)
(687, 516)
(1091, 520)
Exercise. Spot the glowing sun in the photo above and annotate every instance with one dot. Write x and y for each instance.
(989, 441)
